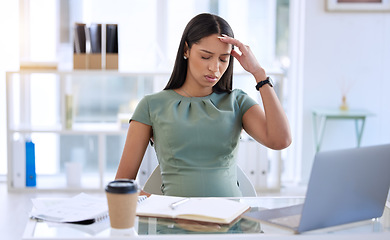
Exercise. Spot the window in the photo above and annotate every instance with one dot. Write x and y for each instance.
(149, 33)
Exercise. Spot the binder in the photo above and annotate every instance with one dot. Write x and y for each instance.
(30, 164)
(112, 38)
(19, 163)
(111, 46)
(80, 41)
(95, 35)
(94, 58)
(79, 46)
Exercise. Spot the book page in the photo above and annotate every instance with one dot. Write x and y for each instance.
(219, 210)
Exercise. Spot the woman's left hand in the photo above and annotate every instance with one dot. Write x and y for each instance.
(247, 60)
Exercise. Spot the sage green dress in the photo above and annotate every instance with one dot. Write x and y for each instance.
(196, 140)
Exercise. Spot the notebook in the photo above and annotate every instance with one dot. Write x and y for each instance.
(81, 209)
(211, 210)
(345, 186)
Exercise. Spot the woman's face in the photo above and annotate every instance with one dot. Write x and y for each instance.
(207, 62)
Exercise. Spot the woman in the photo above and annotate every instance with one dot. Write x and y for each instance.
(196, 121)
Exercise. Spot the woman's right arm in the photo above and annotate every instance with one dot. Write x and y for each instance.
(137, 140)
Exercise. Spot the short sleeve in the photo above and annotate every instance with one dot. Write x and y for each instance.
(244, 101)
(142, 112)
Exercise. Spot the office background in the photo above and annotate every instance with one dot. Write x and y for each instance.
(327, 52)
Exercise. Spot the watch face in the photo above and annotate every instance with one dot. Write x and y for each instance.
(271, 82)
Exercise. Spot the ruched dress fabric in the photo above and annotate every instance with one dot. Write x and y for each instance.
(196, 140)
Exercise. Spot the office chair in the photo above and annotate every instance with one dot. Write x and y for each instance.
(153, 184)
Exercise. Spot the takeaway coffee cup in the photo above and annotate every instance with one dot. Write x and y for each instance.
(122, 197)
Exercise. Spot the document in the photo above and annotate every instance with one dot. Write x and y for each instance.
(212, 210)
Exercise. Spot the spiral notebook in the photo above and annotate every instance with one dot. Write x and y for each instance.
(80, 209)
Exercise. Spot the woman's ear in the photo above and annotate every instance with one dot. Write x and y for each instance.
(186, 50)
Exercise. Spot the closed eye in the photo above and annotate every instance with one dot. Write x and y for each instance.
(223, 59)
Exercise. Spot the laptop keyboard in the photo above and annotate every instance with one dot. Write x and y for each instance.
(289, 221)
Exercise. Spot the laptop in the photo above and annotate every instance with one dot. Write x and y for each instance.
(345, 186)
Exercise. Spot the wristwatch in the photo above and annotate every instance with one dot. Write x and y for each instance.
(268, 80)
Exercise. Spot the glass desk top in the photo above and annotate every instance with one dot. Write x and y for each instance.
(152, 227)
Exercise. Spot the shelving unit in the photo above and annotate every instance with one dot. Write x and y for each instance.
(93, 131)
(42, 116)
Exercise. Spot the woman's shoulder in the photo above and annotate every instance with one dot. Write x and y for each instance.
(164, 94)
(157, 98)
(238, 92)
(242, 98)
(235, 94)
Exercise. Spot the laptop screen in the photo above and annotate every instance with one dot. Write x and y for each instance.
(346, 186)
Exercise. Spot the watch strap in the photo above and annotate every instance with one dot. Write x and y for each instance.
(262, 83)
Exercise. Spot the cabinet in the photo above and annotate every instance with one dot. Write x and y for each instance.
(81, 117)
(263, 166)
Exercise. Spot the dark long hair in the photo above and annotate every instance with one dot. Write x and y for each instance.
(202, 25)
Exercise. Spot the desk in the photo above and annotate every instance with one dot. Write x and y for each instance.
(152, 228)
(321, 115)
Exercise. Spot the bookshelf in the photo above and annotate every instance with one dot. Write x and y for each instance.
(92, 129)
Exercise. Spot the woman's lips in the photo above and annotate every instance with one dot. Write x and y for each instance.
(211, 78)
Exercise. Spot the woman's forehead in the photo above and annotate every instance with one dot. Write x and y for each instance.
(212, 45)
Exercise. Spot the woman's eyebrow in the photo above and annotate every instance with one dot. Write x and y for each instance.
(208, 52)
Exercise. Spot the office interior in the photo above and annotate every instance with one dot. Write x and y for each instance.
(317, 55)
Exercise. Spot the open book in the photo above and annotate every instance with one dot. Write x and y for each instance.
(213, 210)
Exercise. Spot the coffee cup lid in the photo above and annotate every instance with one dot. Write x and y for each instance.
(122, 186)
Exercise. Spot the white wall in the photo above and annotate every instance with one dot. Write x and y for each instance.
(339, 48)
(9, 60)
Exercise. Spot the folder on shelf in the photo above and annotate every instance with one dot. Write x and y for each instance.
(94, 57)
(94, 60)
(95, 36)
(79, 46)
(30, 164)
(111, 38)
(19, 164)
(112, 46)
(80, 41)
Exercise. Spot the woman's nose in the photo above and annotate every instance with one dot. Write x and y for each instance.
(214, 66)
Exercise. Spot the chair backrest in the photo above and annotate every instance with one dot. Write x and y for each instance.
(153, 184)
(244, 184)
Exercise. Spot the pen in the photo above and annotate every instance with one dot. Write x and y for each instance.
(175, 204)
